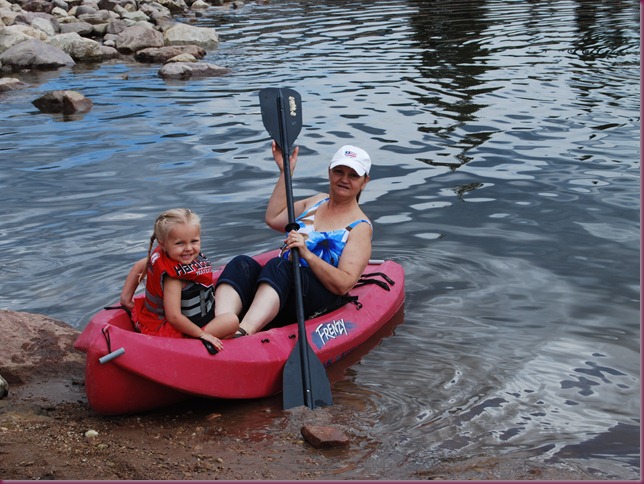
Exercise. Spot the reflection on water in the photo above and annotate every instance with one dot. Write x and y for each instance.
(505, 180)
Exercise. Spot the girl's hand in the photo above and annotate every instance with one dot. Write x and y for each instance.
(216, 342)
(127, 302)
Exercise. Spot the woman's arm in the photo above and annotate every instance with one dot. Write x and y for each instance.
(132, 282)
(276, 211)
(353, 260)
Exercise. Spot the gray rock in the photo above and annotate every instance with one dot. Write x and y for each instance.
(188, 70)
(138, 37)
(183, 34)
(79, 48)
(162, 54)
(35, 54)
(81, 28)
(61, 4)
(48, 26)
(100, 17)
(11, 36)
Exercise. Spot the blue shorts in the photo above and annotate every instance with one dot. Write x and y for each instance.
(244, 273)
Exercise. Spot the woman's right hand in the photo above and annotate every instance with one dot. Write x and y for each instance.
(279, 157)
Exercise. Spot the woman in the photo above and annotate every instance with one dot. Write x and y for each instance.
(334, 244)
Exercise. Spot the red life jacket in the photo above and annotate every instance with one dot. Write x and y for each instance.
(197, 297)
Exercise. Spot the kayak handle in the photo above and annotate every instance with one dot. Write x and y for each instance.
(376, 261)
(110, 356)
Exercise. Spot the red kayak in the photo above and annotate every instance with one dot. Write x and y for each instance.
(129, 372)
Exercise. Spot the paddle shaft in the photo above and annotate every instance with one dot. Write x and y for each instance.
(305, 381)
(297, 275)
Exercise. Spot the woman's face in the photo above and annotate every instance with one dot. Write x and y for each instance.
(183, 243)
(345, 181)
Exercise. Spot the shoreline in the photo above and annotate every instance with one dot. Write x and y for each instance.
(45, 420)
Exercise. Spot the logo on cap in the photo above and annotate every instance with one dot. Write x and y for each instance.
(350, 154)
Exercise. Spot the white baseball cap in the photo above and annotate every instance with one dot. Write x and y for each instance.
(353, 157)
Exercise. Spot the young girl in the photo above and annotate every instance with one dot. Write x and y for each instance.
(179, 294)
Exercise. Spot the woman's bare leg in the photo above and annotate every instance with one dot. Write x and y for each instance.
(262, 311)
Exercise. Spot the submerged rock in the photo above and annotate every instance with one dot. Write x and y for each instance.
(324, 436)
(11, 84)
(65, 102)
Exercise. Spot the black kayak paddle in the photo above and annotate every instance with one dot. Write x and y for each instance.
(305, 381)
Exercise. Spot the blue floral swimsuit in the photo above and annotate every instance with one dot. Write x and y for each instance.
(328, 246)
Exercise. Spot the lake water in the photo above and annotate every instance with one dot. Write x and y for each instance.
(506, 181)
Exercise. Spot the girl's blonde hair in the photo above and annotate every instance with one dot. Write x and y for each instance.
(163, 225)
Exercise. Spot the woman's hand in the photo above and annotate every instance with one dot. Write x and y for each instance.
(296, 240)
(279, 157)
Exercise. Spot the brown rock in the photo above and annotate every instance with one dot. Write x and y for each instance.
(11, 84)
(322, 436)
(33, 344)
(66, 102)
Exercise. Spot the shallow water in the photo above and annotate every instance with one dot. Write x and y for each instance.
(505, 140)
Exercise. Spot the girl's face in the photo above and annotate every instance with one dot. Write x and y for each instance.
(183, 243)
(345, 180)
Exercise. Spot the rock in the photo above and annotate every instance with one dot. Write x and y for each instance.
(65, 102)
(4, 387)
(78, 27)
(100, 17)
(134, 17)
(35, 345)
(38, 6)
(60, 4)
(35, 54)
(163, 54)
(182, 34)
(320, 436)
(183, 58)
(16, 34)
(174, 6)
(11, 84)
(47, 26)
(138, 37)
(79, 48)
(11, 36)
(187, 70)
(199, 5)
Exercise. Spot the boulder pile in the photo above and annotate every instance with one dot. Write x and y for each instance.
(50, 34)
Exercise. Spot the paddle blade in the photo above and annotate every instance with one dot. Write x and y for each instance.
(282, 115)
(294, 387)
